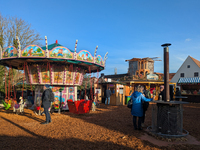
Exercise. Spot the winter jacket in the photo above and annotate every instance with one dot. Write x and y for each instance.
(137, 107)
(108, 93)
(147, 94)
(45, 98)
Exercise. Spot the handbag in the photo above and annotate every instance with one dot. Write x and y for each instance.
(130, 103)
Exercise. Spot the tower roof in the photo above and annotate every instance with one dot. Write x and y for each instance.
(136, 59)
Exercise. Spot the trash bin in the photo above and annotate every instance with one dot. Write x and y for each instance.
(127, 98)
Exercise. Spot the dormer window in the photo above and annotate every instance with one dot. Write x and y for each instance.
(196, 74)
(182, 75)
(188, 66)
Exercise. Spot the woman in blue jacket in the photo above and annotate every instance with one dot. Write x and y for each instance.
(137, 108)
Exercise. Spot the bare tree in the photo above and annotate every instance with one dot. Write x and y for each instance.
(3, 27)
(12, 27)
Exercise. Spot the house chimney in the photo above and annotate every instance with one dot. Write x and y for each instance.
(166, 72)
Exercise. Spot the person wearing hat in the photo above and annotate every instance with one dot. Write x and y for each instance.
(46, 103)
(161, 94)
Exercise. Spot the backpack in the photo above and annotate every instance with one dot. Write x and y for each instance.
(147, 94)
(51, 98)
(130, 103)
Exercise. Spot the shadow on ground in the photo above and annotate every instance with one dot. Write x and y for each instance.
(41, 142)
(28, 115)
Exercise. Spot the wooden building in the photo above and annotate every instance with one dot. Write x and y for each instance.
(117, 89)
(190, 88)
(140, 72)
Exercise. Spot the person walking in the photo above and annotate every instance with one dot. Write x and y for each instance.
(145, 104)
(46, 103)
(137, 108)
(178, 93)
(161, 94)
(108, 94)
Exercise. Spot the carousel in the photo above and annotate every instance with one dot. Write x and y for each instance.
(53, 64)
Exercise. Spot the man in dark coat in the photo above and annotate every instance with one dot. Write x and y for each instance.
(108, 94)
(161, 94)
(46, 103)
(178, 93)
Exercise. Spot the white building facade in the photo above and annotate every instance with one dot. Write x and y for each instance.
(189, 69)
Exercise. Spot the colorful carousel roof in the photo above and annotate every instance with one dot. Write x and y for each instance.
(54, 53)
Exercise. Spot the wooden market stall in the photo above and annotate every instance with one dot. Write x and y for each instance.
(190, 87)
(153, 86)
(118, 92)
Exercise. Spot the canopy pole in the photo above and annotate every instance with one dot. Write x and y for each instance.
(90, 83)
(5, 84)
(12, 81)
(85, 89)
(13, 85)
(97, 85)
(9, 84)
(29, 80)
(23, 81)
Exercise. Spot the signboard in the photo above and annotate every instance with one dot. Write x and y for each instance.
(109, 80)
(121, 91)
(152, 77)
(121, 86)
(98, 91)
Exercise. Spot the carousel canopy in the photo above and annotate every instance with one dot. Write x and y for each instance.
(53, 64)
(54, 53)
(52, 46)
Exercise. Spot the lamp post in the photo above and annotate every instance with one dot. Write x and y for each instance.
(166, 71)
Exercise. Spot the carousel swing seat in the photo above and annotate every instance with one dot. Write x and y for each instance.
(79, 107)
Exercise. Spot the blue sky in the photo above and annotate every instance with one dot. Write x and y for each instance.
(123, 28)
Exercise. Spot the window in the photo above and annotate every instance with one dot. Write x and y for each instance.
(196, 74)
(182, 75)
(188, 66)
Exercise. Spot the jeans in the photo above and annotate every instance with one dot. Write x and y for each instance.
(143, 118)
(139, 122)
(47, 114)
(107, 98)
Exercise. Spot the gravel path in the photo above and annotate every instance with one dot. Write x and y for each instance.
(106, 128)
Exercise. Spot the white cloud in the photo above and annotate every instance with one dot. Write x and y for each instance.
(181, 59)
(188, 39)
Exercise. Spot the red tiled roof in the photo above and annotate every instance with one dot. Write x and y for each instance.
(196, 61)
(170, 75)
